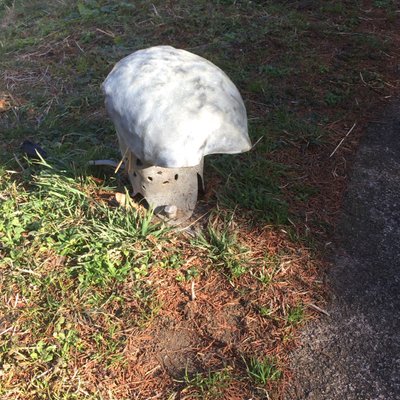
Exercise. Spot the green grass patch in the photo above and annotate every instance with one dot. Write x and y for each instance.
(295, 315)
(61, 216)
(224, 249)
(252, 182)
(262, 371)
(209, 385)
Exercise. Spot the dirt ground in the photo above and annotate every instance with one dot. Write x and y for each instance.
(354, 353)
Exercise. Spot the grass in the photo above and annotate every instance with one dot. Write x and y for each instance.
(243, 188)
(103, 302)
(224, 249)
(209, 385)
(262, 371)
(295, 315)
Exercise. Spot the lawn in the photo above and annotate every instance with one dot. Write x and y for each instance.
(100, 300)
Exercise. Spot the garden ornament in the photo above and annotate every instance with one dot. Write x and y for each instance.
(170, 108)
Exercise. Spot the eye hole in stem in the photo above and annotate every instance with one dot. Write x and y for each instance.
(150, 178)
(139, 162)
(165, 182)
(176, 177)
(159, 173)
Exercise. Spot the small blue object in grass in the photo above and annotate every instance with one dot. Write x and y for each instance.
(33, 150)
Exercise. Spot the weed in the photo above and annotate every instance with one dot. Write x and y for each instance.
(333, 99)
(188, 275)
(174, 261)
(265, 311)
(385, 4)
(224, 250)
(295, 315)
(208, 385)
(303, 192)
(262, 371)
(274, 71)
(66, 336)
(268, 270)
(333, 8)
(43, 352)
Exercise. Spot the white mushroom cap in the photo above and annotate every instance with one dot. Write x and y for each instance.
(171, 107)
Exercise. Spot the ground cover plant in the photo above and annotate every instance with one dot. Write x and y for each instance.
(98, 300)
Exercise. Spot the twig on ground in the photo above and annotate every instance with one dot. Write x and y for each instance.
(106, 32)
(193, 294)
(19, 162)
(110, 163)
(156, 11)
(43, 373)
(6, 330)
(340, 143)
(191, 224)
(16, 300)
(319, 309)
(79, 47)
(28, 271)
(122, 161)
(256, 143)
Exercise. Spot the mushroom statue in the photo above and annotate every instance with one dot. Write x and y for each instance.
(170, 108)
